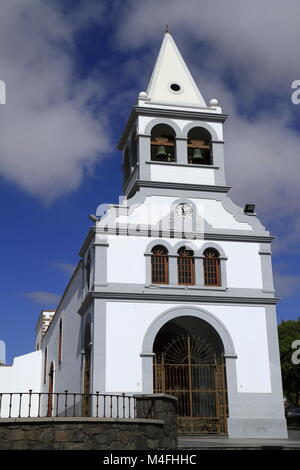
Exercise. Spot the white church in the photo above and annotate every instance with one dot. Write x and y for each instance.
(174, 290)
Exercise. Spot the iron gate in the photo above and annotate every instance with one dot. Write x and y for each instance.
(189, 370)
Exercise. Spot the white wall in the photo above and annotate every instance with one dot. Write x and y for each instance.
(67, 375)
(181, 174)
(126, 262)
(243, 266)
(127, 323)
(23, 375)
(218, 217)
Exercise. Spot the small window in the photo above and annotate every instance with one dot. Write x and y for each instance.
(211, 265)
(186, 267)
(159, 265)
(175, 87)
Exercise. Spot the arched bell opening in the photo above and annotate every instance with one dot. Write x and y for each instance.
(188, 363)
(163, 143)
(199, 146)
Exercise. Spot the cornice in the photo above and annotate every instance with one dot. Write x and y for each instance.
(177, 186)
(173, 297)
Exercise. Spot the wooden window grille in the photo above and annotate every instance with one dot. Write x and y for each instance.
(60, 342)
(159, 265)
(186, 267)
(211, 265)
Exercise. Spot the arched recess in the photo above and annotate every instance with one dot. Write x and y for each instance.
(50, 390)
(154, 328)
(202, 124)
(168, 122)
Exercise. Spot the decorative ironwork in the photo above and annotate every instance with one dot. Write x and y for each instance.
(40, 405)
(181, 348)
(189, 369)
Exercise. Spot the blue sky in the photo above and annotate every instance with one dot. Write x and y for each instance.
(73, 69)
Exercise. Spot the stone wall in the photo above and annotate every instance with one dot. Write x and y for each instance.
(97, 433)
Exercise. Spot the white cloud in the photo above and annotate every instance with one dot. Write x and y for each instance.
(48, 138)
(259, 38)
(43, 297)
(67, 268)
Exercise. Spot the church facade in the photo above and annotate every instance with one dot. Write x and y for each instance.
(174, 290)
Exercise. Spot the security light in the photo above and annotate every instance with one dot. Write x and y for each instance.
(249, 208)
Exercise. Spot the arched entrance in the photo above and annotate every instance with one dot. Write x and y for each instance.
(188, 363)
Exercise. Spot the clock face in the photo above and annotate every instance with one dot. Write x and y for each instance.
(184, 211)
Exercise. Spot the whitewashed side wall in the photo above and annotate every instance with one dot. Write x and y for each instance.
(67, 375)
(23, 375)
(246, 326)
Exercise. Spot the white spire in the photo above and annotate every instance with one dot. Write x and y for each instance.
(171, 81)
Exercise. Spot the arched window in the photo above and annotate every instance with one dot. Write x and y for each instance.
(60, 333)
(211, 266)
(163, 143)
(159, 265)
(186, 266)
(45, 365)
(199, 146)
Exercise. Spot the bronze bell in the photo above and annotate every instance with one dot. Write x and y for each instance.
(198, 156)
(161, 153)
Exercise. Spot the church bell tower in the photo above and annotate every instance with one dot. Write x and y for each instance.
(173, 138)
(178, 277)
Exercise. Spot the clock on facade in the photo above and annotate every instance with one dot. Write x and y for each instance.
(184, 211)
